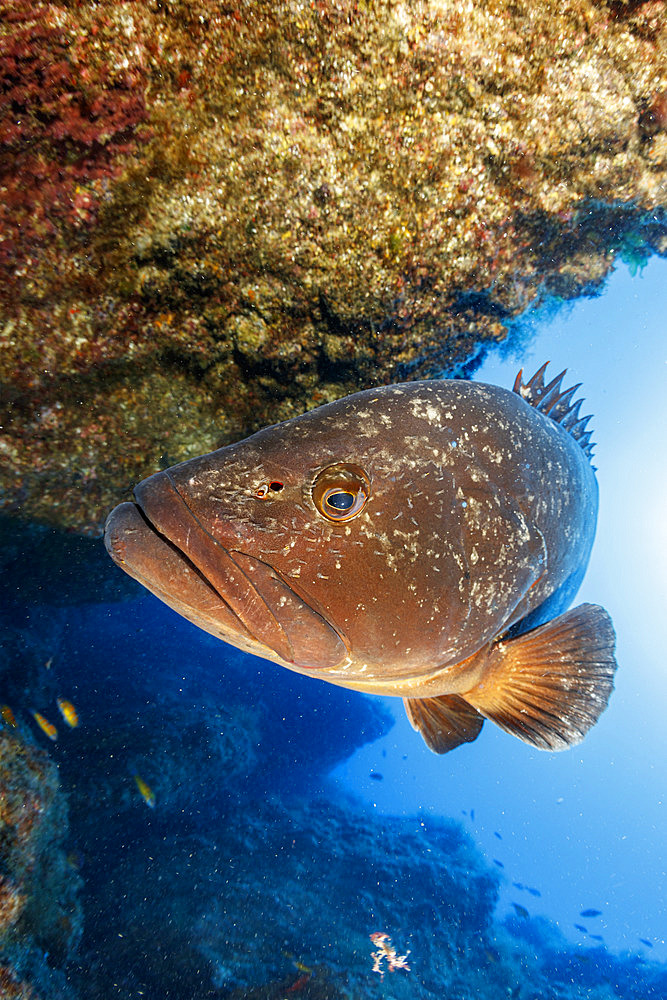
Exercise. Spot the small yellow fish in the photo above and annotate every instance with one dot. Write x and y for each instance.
(8, 716)
(68, 712)
(147, 793)
(74, 860)
(47, 727)
(296, 963)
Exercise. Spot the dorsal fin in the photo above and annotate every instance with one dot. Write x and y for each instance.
(557, 403)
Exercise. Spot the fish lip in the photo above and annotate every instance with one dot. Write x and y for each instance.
(168, 513)
(135, 544)
(263, 611)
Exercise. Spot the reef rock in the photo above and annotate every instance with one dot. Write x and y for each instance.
(296, 884)
(215, 216)
(40, 913)
(283, 901)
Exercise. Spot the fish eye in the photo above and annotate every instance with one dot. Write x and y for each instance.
(340, 492)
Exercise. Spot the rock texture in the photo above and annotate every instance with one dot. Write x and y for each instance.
(215, 216)
(40, 912)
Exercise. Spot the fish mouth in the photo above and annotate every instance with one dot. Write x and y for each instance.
(233, 595)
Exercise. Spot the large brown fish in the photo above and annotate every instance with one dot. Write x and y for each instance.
(420, 540)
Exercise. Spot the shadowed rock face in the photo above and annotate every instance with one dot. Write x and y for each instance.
(216, 218)
(40, 910)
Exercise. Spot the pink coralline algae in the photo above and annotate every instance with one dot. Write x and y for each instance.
(67, 112)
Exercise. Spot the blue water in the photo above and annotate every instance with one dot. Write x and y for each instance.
(293, 819)
(589, 826)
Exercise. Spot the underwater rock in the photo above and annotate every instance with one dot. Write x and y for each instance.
(12, 989)
(216, 217)
(285, 901)
(290, 896)
(40, 913)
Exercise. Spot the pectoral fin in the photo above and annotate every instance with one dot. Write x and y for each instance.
(444, 722)
(550, 685)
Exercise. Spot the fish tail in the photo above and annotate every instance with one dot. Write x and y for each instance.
(557, 403)
(549, 686)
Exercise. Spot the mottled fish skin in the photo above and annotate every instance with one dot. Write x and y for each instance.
(479, 519)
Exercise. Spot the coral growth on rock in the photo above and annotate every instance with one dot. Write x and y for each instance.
(216, 216)
(12, 989)
(69, 109)
(40, 915)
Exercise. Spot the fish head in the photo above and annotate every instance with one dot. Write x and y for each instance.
(334, 542)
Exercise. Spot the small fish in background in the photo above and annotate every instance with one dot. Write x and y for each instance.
(303, 968)
(533, 892)
(68, 712)
(519, 885)
(75, 860)
(376, 776)
(49, 663)
(590, 913)
(499, 863)
(298, 965)
(498, 835)
(146, 792)
(596, 937)
(47, 727)
(580, 927)
(521, 911)
(472, 815)
(645, 941)
(8, 717)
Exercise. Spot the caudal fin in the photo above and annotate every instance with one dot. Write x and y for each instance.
(550, 685)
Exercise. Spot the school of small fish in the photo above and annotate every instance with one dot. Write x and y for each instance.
(71, 718)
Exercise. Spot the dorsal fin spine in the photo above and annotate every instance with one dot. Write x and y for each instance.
(556, 403)
(572, 415)
(564, 406)
(578, 429)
